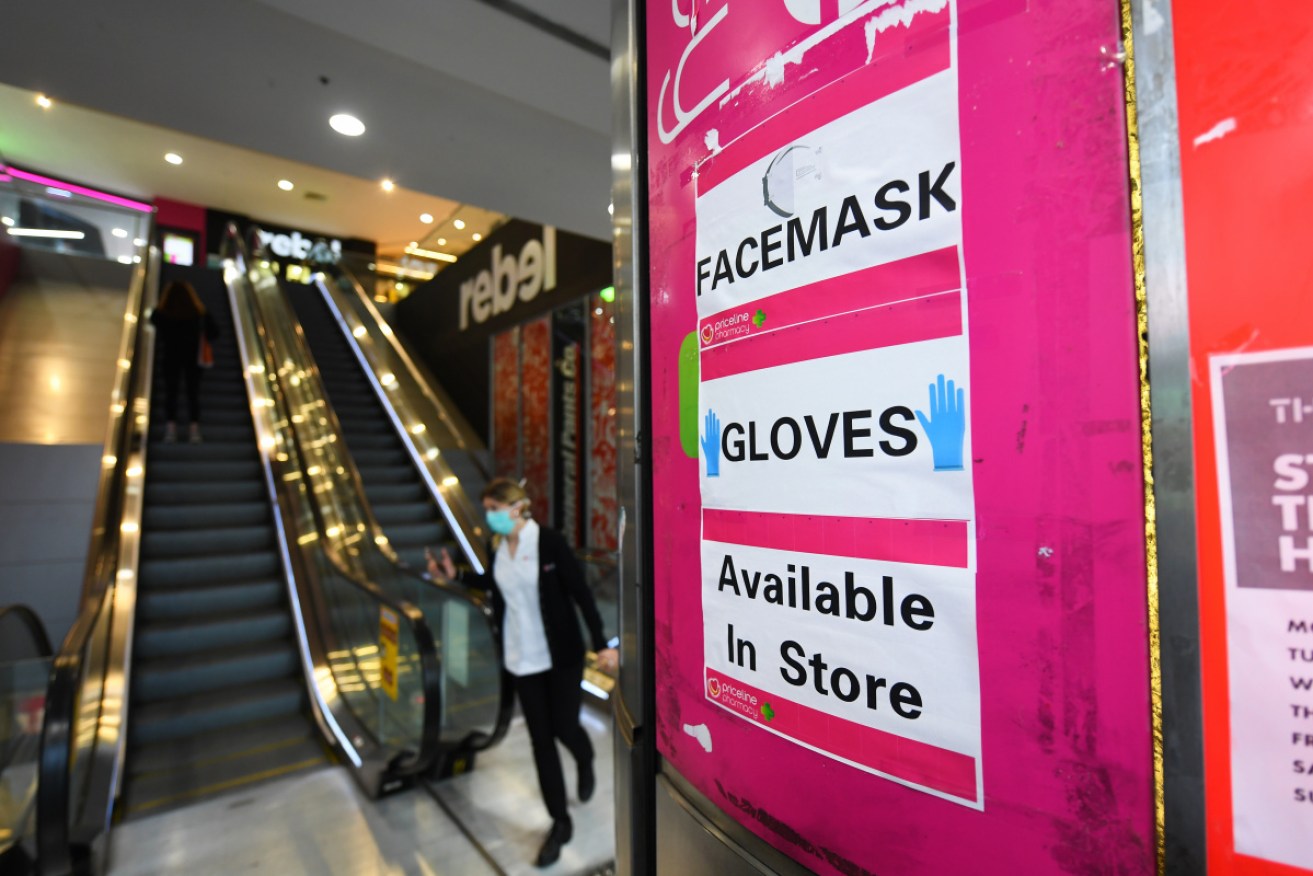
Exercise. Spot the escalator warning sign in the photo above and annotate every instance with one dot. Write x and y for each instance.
(387, 650)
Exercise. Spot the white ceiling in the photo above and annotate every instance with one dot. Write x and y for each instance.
(464, 104)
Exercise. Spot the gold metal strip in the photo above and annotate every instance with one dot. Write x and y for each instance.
(1146, 438)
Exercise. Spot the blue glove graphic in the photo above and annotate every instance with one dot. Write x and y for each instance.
(946, 426)
(711, 444)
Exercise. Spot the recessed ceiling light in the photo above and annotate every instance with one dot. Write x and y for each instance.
(426, 218)
(414, 243)
(44, 102)
(478, 236)
(459, 223)
(138, 241)
(119, 232)
(8, 222)
(387, 184)
(442, 241)
(347, 125)
(286, 185)
(173, 158)
(125, 260)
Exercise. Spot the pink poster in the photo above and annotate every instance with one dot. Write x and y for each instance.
(535, 425)
(602, 502)
(506, 401)
(894, 369)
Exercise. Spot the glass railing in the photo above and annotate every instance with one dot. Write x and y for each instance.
(82, 735)
(24, 667)
(415, 660)
(442, 446)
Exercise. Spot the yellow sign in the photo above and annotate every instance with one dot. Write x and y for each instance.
(387, 650)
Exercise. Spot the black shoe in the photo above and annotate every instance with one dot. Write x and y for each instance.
(558, 836)
(587, 782)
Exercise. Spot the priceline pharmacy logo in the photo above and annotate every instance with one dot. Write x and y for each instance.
(844, 434)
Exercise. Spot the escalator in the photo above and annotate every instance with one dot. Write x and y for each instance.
(244, 615)
(217, 696)
(401, 500)
(25, 656)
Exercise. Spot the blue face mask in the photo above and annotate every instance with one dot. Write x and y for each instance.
(500, 521)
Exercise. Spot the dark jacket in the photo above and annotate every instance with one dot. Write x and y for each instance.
(180, 339)
(560, 582)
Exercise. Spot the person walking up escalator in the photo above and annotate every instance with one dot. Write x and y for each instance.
(185, 331)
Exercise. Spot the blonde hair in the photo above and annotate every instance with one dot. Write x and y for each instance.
(505, 491)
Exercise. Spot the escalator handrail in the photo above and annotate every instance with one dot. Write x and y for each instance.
(461, 518)
(55, 838)
(478, 600)
(460, 429)
(425, 642)
(37, 630)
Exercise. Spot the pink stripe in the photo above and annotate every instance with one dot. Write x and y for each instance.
(930, 272)
(902, 322)
(81, 190)
(904, 56)
(917, 762)
(927, 542)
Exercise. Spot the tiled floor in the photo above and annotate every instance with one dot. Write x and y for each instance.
(499, 803)
(320, 823)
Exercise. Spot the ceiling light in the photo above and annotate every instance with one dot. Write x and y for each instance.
(442, 241)
(477, 237)
(459, 223)
(138, 241)
(347, 125)
(48, 232)
(125, 260)
(58, 192)
(285, 185)
(119, 232)
(173, 158)
(412, 244)
(429, 254)
(426, 218)
(387, 184)
(44, 102)
(8, 222)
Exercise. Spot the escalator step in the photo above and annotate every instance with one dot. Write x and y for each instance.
(194, 470)
(388, 474)
(188, 716)
(227, 631)
(166, 604)
(191, 571)
(206, 540)
(168, 518)
(172, 676)
(383, 493)
(392, 513)
(182, 493)
(375, 456)
(210, 451)
(409, 534)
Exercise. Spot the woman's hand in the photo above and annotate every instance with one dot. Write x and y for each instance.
(440, 569)
(608, 660)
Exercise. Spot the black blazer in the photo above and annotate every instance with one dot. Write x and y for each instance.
(560, 582)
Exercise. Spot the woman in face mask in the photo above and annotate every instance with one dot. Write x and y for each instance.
(537, 582)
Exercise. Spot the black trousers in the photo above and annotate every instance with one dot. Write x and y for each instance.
(172, 371)
(551, 702)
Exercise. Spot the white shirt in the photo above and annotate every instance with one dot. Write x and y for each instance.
(523, 639)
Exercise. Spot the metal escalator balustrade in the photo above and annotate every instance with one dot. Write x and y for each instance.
(473, 706)
(442, 446)
(384, 733)
(401, 501)
(217, 698)
(25, 655)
